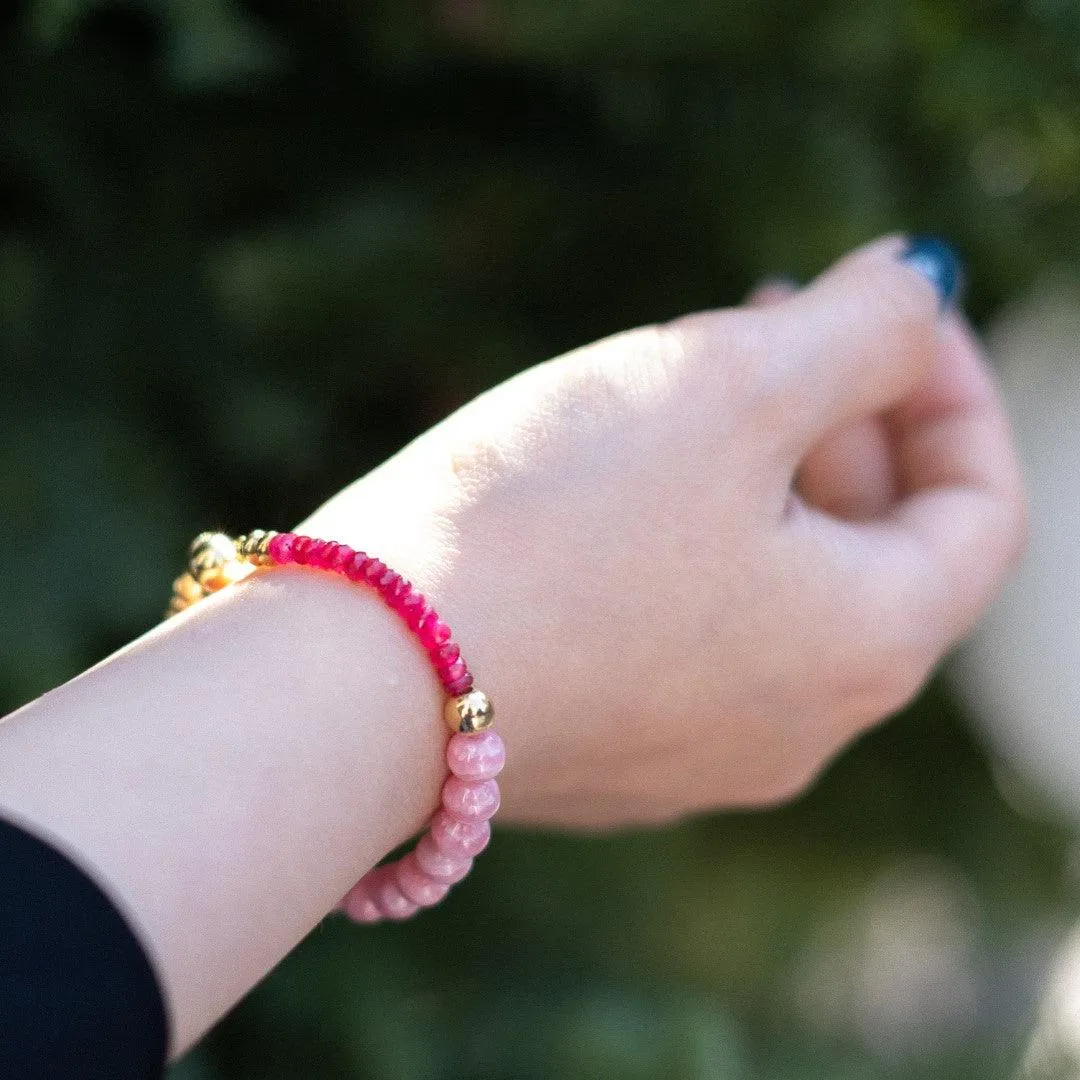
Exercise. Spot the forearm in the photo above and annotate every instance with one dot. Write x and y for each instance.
(228, 776)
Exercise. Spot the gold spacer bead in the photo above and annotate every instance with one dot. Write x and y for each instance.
(210, 554)
(262, 548)
(469, 712)
(253, 547)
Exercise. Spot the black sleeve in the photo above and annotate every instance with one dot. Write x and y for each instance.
(78, 998)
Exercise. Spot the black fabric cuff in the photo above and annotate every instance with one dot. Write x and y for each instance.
(78, 997)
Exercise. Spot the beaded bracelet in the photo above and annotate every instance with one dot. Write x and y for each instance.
(458, 831)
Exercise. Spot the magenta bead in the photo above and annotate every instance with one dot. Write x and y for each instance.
(476, 757)
(342, 557)
(422, 889)
(434, 633)
(280, 548)
(470, 800)
(436, 864)
(393, 588)
(453, 671)
(459, 686)
(373, 571)
(414, 607)
(389, 581)
(300, 548)
(459, 839)
(356, 566)
(446, 654)
(317, 552)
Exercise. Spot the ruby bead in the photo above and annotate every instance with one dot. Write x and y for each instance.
(393, 586)
(342, 556)
(446, 654)
(355, 567)
(417, 886)
(453, 671)
(373, 571)
(476, 757)
(459, 686)
(435, 864)
(280, 548)
(434, 633)
(414, 607)
(470, 800)
(459, 839)
(301, 546)
(320, 552)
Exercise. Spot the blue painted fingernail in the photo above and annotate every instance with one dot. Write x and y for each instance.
(938, 262)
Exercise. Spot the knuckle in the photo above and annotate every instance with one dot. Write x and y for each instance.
(894, 679)
(727, 348)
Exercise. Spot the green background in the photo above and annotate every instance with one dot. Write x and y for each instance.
(248, 250)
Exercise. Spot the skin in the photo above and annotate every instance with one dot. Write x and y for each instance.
(689, 563)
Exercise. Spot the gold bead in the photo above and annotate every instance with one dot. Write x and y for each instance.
(187, 588)
(469, 712)
(209, 556)
(262, 547)
(253, 547)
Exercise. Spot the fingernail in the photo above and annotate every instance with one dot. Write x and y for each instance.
(938, 262)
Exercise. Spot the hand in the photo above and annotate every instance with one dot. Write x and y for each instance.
(690, 562)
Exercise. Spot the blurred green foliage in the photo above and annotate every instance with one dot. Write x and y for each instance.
(249, 249)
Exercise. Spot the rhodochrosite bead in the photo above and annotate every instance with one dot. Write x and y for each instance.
(421, 888)
(475, 755)
(459, 839)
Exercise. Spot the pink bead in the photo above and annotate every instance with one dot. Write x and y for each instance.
(389, 580)
(470, 800)
(359, 904)
(476, 757)
(393, 587)
(459, 839)
(459, 686)
(386, 892)
(356, 566)
(446, 654)
(343, 555)
(280, 548)
(422, 889)
(414, 607)
(434, 633)
(373, 571)
(453, 671)
(300, 548)
(321, 553)
(435, 864)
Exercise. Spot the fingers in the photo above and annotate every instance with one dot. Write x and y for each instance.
(853, 342)
(959, 484)
(925, 569)
(848, 473)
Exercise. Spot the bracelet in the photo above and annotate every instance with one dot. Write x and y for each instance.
(459, 830)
